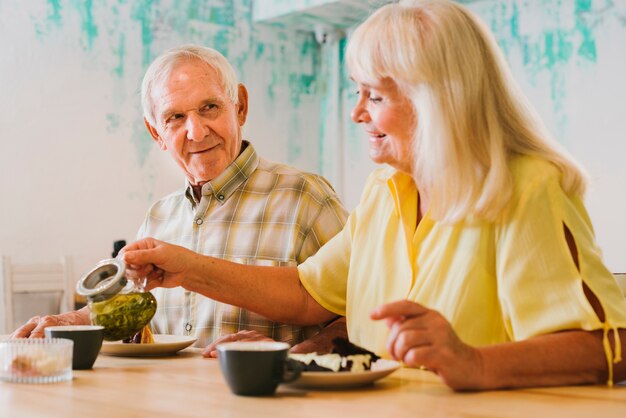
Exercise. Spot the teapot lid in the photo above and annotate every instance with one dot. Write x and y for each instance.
(104, 280)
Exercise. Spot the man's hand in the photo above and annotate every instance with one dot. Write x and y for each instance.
(322, 342)
(423, 338)
(158, 263)
(35, 325)
(211, 350)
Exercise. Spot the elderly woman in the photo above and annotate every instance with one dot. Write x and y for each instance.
(472, 254)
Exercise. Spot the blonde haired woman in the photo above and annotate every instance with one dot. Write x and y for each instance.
(472, 254)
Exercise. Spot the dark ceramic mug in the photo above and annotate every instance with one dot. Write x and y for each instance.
(87, 342)
(256, 368)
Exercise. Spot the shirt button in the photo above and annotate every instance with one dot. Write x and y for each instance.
(198, 221)
(188, 327)
(220, 197)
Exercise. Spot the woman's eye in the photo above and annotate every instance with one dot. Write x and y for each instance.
(375, 99)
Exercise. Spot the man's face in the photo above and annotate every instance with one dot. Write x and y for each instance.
(196, 122)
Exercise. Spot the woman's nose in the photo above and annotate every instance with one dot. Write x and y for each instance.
(359, 113)
(196, 128)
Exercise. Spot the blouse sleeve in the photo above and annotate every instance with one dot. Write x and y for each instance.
(539, 285)
(325, 274)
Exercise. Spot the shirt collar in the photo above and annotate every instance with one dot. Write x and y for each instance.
(224, 185)
(402, 188)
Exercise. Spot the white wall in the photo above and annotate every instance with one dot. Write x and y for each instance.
(78, 170)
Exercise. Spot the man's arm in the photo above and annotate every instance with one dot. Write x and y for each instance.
(274, 292)
(322, 342)
(35, 326)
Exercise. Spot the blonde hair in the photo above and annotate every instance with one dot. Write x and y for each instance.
(163, 65)
(471, 115)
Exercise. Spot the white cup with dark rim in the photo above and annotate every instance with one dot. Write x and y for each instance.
(87, 342)
(256, 368)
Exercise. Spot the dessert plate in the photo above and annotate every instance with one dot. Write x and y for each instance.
(164, 345)
(340, 380)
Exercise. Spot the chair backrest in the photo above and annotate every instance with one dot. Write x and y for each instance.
(29, 282)
(621, 281)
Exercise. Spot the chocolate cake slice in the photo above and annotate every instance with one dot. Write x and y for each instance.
(344, 357)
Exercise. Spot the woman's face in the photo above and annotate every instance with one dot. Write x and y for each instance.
(389, 121)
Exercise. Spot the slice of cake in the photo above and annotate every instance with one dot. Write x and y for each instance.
(345, 357)
(144, 336)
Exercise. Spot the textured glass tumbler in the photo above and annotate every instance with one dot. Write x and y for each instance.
(37, 360)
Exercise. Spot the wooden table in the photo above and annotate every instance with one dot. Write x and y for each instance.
(188, 385)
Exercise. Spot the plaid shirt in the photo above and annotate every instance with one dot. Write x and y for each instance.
(256, 212)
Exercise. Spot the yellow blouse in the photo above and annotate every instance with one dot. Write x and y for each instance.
(494, 281)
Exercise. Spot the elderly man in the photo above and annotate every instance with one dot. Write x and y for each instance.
(236, 206)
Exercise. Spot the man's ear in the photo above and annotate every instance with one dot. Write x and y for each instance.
(242, 106)
(154, 134)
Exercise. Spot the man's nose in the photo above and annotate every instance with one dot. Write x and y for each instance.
(196, 128)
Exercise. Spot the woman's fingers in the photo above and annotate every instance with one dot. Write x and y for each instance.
(402, 308)
(403, 335)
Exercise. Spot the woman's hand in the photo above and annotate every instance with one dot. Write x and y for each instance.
(211, 349)
(422, 338)
(158, 263)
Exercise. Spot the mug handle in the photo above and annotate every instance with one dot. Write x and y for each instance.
(292, 371)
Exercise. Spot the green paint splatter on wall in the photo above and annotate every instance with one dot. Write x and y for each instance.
(113, 122)
(143, 11)
(221, 13)
(88, 25)
(53, 19)
(294, 147)
(260, 48)
(301, 82)
(142, 142)
(549, 37)
(587, 48)
(54, 14)
(120, 53)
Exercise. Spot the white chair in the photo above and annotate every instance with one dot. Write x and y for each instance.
(33, 289)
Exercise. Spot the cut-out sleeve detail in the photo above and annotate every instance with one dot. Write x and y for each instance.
(540, 285)
(613, 356)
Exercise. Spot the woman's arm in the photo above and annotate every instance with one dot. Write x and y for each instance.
(274, 292)
(423, 338)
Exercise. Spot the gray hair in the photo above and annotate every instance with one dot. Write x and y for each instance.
(163, 65)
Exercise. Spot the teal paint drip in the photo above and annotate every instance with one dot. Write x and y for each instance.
(54, 18)
(120, 52)
(54, 15)
(587, 48)
(113, 122)
(142, 12)
(142, 142)
(301, 83)
(550, 48)
(88, 25)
